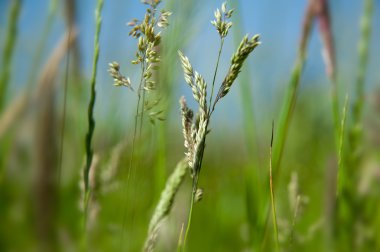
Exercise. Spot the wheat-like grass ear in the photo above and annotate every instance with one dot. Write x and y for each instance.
(165, 203)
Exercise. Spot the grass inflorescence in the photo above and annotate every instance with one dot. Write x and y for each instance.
(196, 130)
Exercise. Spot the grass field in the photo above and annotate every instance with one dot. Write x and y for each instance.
(143, 126)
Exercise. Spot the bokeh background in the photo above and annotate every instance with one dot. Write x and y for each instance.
(35, 218)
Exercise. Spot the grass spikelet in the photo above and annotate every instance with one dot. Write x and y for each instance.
(165, 204)
(245, 48)
(196, 140)
(91, 105)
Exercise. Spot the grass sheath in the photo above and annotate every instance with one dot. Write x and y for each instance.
(165, 203)
(91, 105)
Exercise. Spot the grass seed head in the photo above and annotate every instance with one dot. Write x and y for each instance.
(245, 48)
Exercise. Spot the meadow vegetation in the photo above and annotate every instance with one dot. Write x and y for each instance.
(303, 178)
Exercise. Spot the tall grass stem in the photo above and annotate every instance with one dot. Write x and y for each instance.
(340, 150)
(91, 105)
(272, 192)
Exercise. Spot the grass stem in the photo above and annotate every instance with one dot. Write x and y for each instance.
(91, 105)
(272, 192)
(216, 71)
(340, 150)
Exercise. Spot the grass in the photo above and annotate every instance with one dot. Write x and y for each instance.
(9, 48)
(91, 105)
(321, 191)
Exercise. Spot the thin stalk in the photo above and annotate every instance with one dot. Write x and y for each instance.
(10, 43)
(216, 71)
(340, 151)
(136, 126)
(287, 112)
(64, 109)
(292, 90)
(199, 166)
(272, 193)
(291, 96)
(179, 245)
(194, 190)
(91, 105)
(142, 102)
(195, 186)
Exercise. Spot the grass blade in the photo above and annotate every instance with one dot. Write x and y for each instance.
(10, 43)
(91, 105)
(272, 192)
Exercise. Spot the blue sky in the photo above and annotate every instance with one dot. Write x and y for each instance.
(278, 22)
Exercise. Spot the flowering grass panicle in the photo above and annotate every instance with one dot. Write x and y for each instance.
(195, 131)
(245, 48)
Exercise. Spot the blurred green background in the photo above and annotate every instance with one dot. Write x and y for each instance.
(42, 131)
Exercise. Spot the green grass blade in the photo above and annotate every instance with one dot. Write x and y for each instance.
(10, 43)
(91, 105)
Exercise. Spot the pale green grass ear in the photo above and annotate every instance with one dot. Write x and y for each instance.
(165, 203)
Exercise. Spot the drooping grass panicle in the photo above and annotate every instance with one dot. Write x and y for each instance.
(245, 48)
(119, 79)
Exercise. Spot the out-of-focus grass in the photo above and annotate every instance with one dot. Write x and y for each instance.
(231, 216)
